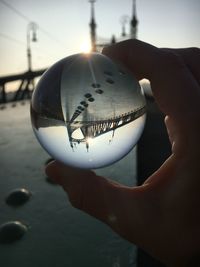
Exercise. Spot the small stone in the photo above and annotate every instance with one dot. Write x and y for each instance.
(12, 231)
(18, 197)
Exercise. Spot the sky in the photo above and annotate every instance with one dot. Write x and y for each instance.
(63, 27)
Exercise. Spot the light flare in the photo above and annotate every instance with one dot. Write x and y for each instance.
(85, 47)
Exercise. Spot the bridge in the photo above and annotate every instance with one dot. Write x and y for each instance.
(25, 88)
(92, 129)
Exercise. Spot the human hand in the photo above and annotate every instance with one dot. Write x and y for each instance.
(162, 215)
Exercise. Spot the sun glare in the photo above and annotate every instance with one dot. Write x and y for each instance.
(85, 47)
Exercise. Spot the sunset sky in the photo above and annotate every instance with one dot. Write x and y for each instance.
(63, 27)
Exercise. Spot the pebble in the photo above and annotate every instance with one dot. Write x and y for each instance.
(12, 231)
(18, 197)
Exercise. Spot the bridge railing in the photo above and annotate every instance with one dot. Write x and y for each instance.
(93, 129)
(24, 89)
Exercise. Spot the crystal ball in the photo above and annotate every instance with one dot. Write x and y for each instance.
(87, 111)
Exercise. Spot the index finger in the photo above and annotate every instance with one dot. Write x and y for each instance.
(175, 89)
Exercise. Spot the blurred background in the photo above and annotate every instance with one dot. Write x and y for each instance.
(33, 36)
(60, 28)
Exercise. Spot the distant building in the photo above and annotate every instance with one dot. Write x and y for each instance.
(96, 46)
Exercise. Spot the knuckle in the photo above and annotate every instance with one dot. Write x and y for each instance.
(173, 59)
(194, 51)
(170, 61)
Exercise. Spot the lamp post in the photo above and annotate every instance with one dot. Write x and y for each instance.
(123, 20)
(31, 36)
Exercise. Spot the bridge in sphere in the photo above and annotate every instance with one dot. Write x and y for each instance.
(93, 129)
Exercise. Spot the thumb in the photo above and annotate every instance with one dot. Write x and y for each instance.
(118, 206)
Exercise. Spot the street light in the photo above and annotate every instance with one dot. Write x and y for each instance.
(31, 36)
(123, 20)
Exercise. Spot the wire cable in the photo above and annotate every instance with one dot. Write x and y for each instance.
(44, 52)
(15, 10)
(26, 18)
(3, 35)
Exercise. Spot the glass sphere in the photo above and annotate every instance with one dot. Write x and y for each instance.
(87, 111)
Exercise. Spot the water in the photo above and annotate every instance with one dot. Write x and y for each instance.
(87, 111)
(58, 235)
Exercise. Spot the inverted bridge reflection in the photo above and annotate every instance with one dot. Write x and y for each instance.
(92, 129)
